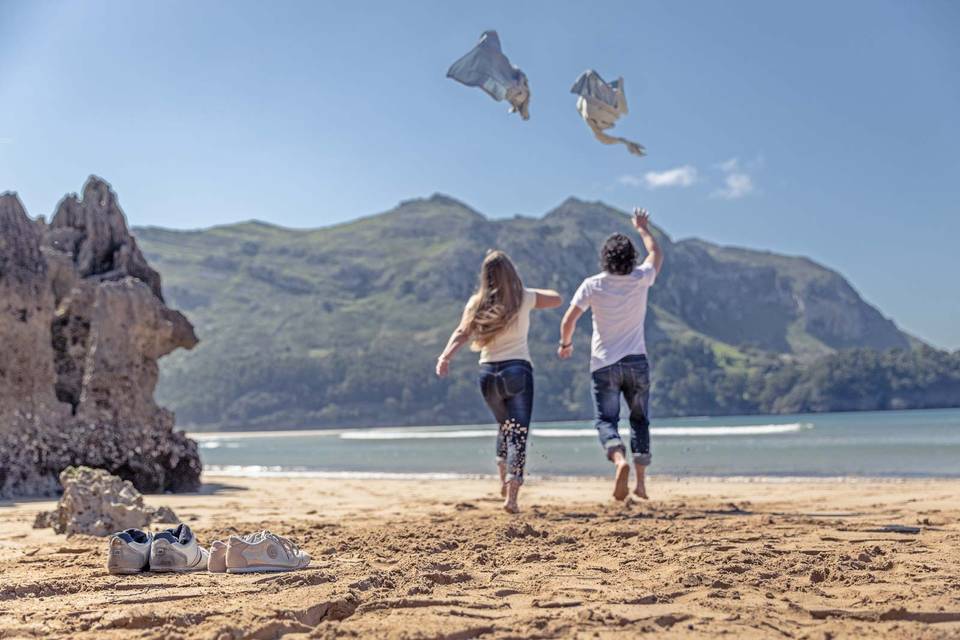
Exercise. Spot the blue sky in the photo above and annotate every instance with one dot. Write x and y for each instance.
(817, 128)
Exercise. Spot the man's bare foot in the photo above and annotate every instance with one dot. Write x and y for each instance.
(621, 479)
(641, 489)
(512, 490)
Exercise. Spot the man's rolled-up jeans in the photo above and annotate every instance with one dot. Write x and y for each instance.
(629, 377)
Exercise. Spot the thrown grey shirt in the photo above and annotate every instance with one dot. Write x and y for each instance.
(486, 67)
(600, 104)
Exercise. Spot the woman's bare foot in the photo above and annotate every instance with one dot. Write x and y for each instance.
(512, 489)
(503, 478)
(641, 489)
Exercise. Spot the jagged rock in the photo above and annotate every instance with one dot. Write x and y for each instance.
(93, 231)
(26, 305)
(82, 324)
(96, 503)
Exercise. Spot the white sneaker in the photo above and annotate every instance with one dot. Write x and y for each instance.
(177, 550)
(264, 552)
(217, 561)
(129, 551)
(218, 552)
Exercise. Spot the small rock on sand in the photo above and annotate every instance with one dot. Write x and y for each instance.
(96, 503)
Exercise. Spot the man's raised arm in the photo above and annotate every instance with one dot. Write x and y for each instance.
(641, 222)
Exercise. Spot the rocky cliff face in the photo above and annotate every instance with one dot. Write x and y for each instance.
(82, 324)
(773, 302)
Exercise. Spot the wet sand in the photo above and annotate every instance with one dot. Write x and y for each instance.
(439, 559)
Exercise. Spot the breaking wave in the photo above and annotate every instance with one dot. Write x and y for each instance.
(670, 432)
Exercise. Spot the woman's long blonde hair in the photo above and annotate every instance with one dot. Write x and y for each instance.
(497, 300)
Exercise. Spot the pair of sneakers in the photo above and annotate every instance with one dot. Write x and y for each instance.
(256, 552)
(133, 551)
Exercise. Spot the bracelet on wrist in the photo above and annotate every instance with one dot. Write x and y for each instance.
(564, 346)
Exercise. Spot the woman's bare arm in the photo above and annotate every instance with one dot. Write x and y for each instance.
(547, 299)
(459, 337)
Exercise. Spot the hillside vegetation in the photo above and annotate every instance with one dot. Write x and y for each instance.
(341, 325)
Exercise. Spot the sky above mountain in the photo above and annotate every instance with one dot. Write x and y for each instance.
(822, 129)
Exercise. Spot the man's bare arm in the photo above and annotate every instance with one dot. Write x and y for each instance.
(567, 325)
(641, 222)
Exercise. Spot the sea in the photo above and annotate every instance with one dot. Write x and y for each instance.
(887, 444)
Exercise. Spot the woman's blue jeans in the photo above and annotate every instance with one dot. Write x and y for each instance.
(507, 388)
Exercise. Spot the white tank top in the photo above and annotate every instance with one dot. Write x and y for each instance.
(511, 343)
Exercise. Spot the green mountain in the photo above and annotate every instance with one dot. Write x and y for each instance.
(341, 325)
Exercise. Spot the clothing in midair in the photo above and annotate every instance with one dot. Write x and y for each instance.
(600, 104)
(486, 67)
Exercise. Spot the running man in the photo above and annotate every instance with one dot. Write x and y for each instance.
(618, 360)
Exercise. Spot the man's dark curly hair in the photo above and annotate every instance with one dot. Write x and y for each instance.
(618, 255)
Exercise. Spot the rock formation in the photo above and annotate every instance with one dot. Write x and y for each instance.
(96, 503)
(82, 325)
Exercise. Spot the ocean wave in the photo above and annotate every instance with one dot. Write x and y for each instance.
(218, 444)
(413, 434)
(206, 436)
(262, 471)
(739, 430)
(670, 432)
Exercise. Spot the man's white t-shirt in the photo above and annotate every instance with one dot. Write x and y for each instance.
(619, 305)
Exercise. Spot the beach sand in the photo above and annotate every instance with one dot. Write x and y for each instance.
(439, 559)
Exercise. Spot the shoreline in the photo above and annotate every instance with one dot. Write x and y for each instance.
(263, 471)
(902, 445)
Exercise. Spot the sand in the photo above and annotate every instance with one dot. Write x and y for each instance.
(439, 559)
